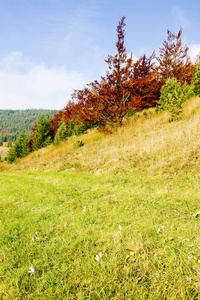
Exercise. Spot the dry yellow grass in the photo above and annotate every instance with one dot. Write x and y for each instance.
(146, 142)
(3, 152)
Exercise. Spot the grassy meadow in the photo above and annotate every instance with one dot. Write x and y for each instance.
(118, 218)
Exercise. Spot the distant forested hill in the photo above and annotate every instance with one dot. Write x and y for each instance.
(12, 122)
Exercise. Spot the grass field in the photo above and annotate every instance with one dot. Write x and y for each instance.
(118, 218)
(59, 222)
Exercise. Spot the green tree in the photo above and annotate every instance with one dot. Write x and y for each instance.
(188, 91)
(172, 98)
(43, 135)
(19, 149)
(196, 81)
(11, 155)
(21, 145)
(61, 134)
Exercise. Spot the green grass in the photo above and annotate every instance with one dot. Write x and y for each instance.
(76, 216)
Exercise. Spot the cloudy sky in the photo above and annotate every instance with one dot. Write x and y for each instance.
(50, 47)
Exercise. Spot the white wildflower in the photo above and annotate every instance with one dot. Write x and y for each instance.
(31, 270)
(98, 257)
(34, 238)
(161, 229)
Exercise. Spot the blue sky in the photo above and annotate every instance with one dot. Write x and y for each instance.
(50, 47)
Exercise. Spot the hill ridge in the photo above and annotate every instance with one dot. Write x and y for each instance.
(145, 143)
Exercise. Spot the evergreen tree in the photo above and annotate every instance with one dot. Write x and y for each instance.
(19, 149)
(43, 135)
(61, 134)
(21, 145)
(172, 98)
(196, 81)
(11, 155)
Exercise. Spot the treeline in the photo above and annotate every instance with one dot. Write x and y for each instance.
(128, 85)
(165, 80)
(13, 122)
(42, 136)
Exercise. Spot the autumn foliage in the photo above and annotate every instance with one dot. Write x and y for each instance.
(126, 85)
(174, 60)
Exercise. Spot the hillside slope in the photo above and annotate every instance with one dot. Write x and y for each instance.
(119, 221)
(146, 142)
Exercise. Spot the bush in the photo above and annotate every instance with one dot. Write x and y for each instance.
(78, 144)
(130, 113)
(80, 129)
(172, 98)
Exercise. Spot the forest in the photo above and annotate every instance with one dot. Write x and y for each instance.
(165, 80)
(13, 122)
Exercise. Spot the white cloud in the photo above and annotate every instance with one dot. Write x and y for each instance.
(25, 85)
(180, 17)
(14, 62)
(194, 51)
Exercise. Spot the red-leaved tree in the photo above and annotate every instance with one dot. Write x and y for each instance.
(109, 99)
(126, 85)
(174, 60)
(145, 84)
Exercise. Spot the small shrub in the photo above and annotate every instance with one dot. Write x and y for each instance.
(145, 114)
(157, 110)
(78, 144)
(130, 113)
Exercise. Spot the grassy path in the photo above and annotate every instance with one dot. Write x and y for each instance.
(58, 222)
